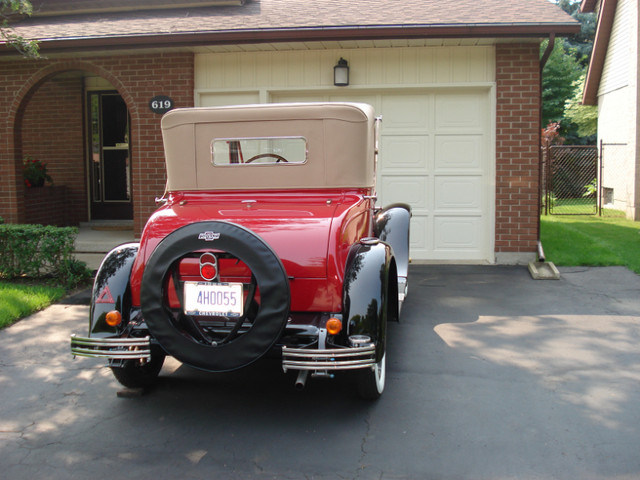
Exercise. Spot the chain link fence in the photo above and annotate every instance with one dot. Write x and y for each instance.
(587, 180)
(570, 180)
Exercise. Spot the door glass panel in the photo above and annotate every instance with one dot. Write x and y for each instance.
(114, 121)
(116, 174)
(94, 147)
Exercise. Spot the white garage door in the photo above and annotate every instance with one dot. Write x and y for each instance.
(436, 155)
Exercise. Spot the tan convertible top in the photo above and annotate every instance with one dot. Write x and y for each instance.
(340, 146)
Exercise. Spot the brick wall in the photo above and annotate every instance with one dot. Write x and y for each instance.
(517, 147)
(25, 91)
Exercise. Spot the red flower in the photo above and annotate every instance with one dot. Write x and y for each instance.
(34, 172)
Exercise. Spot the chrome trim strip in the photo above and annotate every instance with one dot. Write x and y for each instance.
(327, 354)
(111, 348)
(330, 365)
(332, 359)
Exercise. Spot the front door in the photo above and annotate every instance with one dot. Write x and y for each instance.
(109, 157)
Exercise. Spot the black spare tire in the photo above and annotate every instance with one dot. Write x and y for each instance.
(267, 270)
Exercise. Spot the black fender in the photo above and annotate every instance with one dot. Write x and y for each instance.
(370, 291)
(111, 289)
(391, 225)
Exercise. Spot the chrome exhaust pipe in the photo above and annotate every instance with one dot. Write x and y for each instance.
(302, 379)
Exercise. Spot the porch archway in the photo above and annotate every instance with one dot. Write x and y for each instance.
(49, 95)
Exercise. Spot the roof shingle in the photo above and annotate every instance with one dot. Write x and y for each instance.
(524, 17)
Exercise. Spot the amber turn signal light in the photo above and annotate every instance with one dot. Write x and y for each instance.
(113, 318)
(334, 326)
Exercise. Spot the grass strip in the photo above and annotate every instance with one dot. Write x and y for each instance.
(19, 300)
(591, 241)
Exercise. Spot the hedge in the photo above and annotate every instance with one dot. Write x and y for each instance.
(37, 251)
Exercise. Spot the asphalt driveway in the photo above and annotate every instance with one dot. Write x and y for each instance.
(491, 375)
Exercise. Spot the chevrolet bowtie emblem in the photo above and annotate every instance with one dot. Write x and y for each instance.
(209, 236)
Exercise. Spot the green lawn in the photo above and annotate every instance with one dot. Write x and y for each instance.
(590, 240)
(581, 206)
(574, 206)
(20, 300)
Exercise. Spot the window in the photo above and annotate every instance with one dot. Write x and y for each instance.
(259, 151)
(607, 193)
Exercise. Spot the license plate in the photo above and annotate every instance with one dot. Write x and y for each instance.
(216, 299)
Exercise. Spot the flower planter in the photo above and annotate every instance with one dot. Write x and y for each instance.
(46, 205)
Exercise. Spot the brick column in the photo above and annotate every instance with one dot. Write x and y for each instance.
(517, 146)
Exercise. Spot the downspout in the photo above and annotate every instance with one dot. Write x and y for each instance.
(543, 62)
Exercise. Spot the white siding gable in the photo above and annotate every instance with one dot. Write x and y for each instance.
(619, 57)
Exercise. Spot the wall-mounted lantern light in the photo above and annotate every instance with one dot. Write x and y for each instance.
(341, 73)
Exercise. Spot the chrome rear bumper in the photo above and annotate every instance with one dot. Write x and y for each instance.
(111, 348)
(332, 359)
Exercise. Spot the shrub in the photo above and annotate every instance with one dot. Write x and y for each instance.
(74, 272)
(40, 251)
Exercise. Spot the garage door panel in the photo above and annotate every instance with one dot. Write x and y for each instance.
(405, 113)
(458, 234)
(459, 195)
(419, 235)
(399, 153)
(459, 152)
(404, 189)
(461, 111)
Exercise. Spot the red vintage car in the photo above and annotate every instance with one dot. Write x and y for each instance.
(268, 241)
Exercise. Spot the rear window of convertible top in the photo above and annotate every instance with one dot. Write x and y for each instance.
(259, 151)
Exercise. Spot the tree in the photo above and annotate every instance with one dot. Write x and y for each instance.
(10, 9)
(585, 117)
(581, 44)
(558, 81)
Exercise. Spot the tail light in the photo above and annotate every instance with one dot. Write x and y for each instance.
(208, 266)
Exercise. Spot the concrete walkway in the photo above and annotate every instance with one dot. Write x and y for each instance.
(95, 241)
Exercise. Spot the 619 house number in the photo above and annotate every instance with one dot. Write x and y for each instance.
(160, 104)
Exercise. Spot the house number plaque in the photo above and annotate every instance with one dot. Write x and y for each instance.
(160, 104)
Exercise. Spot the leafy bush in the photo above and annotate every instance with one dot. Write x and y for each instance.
(591, 188)
(74, 272)
(40, 251)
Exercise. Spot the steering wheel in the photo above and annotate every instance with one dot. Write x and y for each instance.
(265, 155)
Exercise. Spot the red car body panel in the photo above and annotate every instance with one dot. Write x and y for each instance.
(326, 223)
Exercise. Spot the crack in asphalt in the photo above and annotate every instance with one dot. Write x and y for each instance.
(20, 431)
(363, 446)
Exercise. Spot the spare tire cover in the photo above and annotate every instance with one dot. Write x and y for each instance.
(270, 276)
